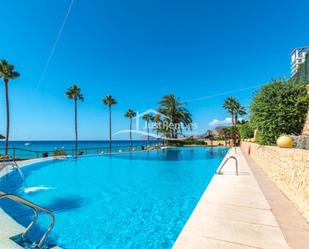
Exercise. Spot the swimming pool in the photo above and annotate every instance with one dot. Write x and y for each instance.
(133, 200)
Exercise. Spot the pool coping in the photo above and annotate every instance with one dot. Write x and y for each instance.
(233, 213)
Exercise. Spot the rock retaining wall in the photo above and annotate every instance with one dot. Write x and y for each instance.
(287, 168)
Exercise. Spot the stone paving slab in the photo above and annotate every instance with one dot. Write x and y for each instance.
(197, 242)
(242, 214)
(232, 213)
(9, 227)
(236, 190)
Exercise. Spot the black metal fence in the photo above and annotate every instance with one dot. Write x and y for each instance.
(22, 154)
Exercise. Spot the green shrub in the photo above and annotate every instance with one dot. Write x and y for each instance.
(245, 130)
(279, 108)
(60, 153)
(231, 131)
(186, 142)
(196, 142)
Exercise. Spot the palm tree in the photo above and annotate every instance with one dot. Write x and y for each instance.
(176, 113)
(109, 101)
(230, 106)
(147, 118)
(239, 111)
(7, 73)
(74, 93)
(130, 114)
(233, 106)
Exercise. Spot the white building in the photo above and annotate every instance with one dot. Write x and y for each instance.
(298, 56)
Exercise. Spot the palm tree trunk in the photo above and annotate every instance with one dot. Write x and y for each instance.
(147, 133)
(236, 118)
(110, 129)
(75, 119)
(131, 134)
(6, 81)
(233, 118)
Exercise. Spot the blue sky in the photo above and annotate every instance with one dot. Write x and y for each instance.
(139, 51)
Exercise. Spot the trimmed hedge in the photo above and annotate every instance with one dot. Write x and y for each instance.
(245, 130)
(279, 108)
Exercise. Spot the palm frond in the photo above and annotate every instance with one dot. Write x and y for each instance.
(130, 114)
(109, 101)
(74, 92)
(7, 70)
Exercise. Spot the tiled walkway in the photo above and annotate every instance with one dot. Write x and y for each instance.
(8, 228)
(232, 213)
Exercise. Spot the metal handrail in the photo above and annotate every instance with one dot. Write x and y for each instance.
(95, 150)
(35, 208)
(226, 160)
(5, 164)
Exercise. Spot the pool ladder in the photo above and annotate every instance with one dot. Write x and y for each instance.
(35, 208)
(224, 163)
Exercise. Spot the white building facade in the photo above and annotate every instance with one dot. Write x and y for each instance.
(298, 57)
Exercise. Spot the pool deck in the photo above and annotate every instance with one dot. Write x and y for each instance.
(9, 228)
(235, 213)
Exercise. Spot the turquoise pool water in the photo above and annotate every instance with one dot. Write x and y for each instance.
(137, 200)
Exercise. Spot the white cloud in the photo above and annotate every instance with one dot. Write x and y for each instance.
(217, 122)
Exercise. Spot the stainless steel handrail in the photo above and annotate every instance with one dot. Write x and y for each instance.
(35, 208)
(226, 160)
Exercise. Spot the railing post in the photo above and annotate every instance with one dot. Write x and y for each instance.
(14, 153)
